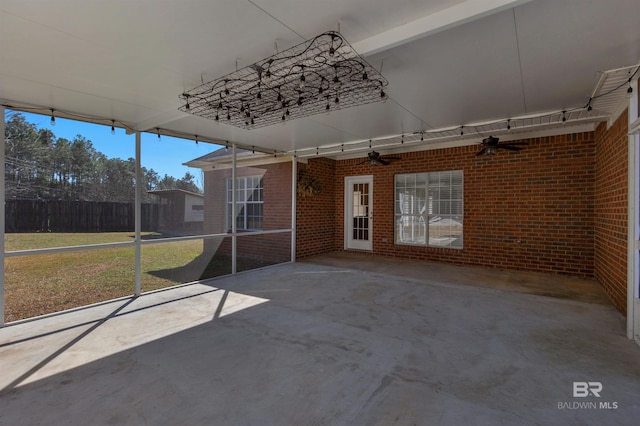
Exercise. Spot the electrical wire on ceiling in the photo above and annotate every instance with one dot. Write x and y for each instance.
(112, 124)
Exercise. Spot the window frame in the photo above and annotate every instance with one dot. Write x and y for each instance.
(243, 202)
(418, 186)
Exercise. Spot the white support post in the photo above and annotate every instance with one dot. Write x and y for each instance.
(2, 217)
(633, 222)
(138, 219)
(294, 191)
(234, 242)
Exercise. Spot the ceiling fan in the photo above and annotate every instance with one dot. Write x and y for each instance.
(491, 145)
(374, 158)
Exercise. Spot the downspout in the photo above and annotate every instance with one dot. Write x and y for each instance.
(294, 186)
(633, 262)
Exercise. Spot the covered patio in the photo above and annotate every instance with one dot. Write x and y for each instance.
(390, 212)
(331, 340)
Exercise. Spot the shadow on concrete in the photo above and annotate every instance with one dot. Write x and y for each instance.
(334, 345)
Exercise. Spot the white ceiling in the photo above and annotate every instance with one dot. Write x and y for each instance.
(449, 62)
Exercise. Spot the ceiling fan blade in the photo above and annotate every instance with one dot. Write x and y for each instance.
(363, 162)
(482, 151)
(510, 147)
(383, 162)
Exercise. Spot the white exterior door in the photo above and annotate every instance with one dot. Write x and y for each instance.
(358, 213)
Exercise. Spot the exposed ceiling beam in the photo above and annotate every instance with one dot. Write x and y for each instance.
(453, 16)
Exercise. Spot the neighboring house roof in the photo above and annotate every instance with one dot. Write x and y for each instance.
(223, 157)
(166, 193)
(221, 153)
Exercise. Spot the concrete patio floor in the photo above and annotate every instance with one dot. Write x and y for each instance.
(336, 339)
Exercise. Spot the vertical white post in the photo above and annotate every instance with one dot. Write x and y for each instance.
(633, 263)
(234, 246)
(2, 218)
(138, 218)
(294, 191)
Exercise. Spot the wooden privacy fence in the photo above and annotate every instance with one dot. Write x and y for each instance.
(76, 216)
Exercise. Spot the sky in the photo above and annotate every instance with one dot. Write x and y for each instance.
(165, 156)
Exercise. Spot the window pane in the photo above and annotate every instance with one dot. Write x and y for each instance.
(428, 208)
(240, 216)
(456, 192)
(410, 229)
(445, 231)
(456, 208)
(435, 206)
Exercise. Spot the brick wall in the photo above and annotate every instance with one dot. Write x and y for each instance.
(317, 214)
(611, 208)
(528, 210)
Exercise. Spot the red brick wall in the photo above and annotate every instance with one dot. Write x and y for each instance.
(611, 208)
(528, 210)
(316, 214)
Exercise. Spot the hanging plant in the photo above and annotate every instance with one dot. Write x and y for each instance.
(307, 185)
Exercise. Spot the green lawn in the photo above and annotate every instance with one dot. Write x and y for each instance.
(45, 283)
